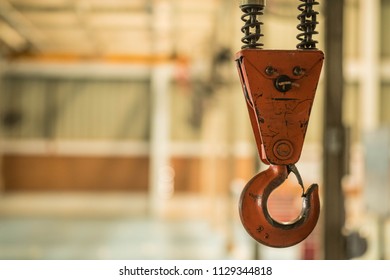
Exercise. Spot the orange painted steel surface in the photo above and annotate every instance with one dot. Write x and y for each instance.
(279, 86)
(258, 222)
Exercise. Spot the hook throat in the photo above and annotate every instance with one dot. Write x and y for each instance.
(259, 223)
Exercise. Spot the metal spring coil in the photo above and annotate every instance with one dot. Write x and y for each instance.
(251, 39)
(308, 23)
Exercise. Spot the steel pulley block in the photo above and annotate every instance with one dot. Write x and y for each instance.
(279, 87)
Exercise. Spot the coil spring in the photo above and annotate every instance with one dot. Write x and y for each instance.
(252, 26)
(308, 23)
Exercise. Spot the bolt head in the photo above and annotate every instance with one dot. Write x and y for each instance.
(283, 149)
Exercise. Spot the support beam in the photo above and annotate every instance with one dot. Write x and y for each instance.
(160, 172)
(21, 24)
(370, 67)
(370, 87)
(2, 67)
(334, 133)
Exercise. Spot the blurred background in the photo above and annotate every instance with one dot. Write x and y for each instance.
(124, 132)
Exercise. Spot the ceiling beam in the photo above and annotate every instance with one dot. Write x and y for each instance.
(21, 24)
(11, 38)
(95, 6)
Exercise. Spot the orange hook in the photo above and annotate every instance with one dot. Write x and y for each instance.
(257, 220)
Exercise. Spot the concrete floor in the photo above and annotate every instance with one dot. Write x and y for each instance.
(64, 226)
(117, 226)
(107, 238)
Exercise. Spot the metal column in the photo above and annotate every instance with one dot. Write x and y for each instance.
(370, 67)
(334, 133)
(160, 178)
(376, 189)
(159, 167)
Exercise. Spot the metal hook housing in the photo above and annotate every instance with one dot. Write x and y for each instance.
(257, 220)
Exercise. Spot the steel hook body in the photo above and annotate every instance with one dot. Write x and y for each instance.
(257, 220)
(279, 87)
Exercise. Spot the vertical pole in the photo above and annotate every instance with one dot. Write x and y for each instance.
(159, 140)
(370, 84)
(334, 133)
(160, 177)
(370, 70)
(2, 66)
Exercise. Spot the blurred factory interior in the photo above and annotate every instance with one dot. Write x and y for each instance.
(124, 132)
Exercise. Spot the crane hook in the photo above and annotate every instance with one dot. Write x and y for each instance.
(256, 218)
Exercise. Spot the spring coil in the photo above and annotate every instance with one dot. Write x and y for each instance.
(252, 26)
(308, 23)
